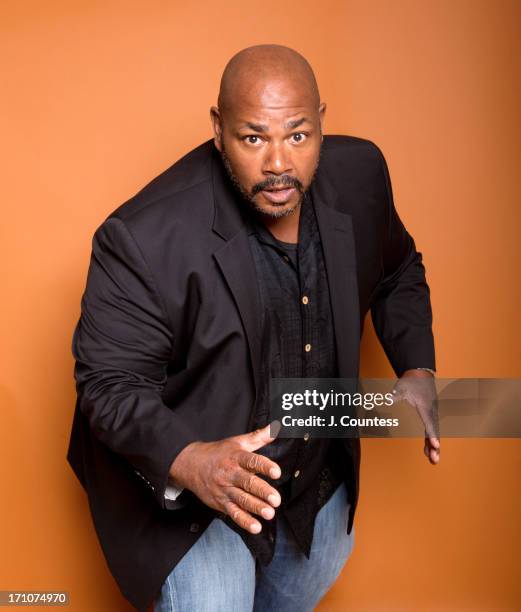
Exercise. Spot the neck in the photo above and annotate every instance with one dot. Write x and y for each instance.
(284, 228)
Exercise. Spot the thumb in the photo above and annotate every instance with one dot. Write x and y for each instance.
(260, 437)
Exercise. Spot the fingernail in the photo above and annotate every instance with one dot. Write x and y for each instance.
(274, 500)
(275, 428)
(255, 527)
(275, 473)
(267, 513)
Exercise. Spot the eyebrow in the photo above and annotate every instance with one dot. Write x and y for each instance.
(256, 127)
(261, 127)
(295, 123)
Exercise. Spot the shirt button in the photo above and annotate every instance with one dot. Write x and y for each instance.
(307, 348)
(305, 299)
(306, 437)
(285, 258)
(296, 474)
(194, 527)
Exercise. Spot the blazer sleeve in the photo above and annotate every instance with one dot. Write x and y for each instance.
(401, 309)
(122, 344)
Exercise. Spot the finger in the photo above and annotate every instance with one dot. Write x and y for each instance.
(241, 517)
(256, 486)
(434, 442)
(250, 503)
(434, 455)
(260, 437)
(258, 464)
(431, 427)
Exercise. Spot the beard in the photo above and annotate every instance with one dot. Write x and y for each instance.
(269, 183)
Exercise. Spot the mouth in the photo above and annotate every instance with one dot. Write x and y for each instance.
(278, 196)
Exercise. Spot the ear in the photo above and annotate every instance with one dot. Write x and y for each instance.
(215, 116)
(321, 115)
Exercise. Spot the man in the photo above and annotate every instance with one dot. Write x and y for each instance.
(247, 259)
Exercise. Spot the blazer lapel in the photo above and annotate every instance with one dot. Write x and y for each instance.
(236, 262)
(336, 233)
(237, 265)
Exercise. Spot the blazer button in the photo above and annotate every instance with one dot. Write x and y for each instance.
(194, 527)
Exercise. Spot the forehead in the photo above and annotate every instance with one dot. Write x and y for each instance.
(262, 120)
(278, 99)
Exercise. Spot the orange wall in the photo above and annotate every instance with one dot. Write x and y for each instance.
(102, 95)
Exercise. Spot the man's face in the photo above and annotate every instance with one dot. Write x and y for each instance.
(270, 144)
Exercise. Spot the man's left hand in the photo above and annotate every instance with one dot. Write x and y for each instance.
(415, 388)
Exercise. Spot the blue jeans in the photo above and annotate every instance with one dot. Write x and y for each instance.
(219, 574)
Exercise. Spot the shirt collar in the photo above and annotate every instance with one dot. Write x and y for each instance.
(255, 226)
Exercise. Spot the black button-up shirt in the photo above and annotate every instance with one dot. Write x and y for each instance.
(297, 342)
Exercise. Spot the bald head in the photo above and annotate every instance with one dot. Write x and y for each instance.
(268, 128)
(267, 69)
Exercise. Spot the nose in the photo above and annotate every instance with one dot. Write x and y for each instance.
(277, 160)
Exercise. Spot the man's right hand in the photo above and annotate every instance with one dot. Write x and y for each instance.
(222, 475)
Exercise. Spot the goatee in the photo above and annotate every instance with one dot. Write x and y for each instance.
(271, 182)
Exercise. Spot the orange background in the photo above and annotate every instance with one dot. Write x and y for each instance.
(101, 96)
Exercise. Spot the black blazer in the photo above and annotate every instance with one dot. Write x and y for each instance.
(167, 345)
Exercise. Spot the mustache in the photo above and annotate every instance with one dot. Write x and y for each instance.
(273, 182)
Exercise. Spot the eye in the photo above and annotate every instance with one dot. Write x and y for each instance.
(252, 139)
(299, 137)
